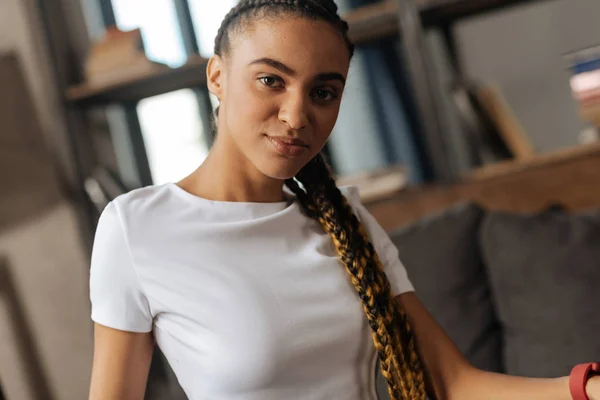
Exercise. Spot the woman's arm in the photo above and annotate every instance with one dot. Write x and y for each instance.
(453, 377)
(121, 364)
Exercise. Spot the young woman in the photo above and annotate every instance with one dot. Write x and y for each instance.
(257, 277)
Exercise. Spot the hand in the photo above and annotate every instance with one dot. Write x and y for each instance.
(593, 388)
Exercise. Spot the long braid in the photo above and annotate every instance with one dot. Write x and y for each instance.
(325, 213)
(321, 200)
(399, 361)
(397, 318)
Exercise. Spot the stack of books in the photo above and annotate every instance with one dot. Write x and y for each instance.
(584, 66)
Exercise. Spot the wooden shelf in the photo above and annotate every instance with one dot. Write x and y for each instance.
(379, 20)
(192, 74)
(540, 160)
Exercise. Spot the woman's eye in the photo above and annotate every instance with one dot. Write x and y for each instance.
(325, 95)
(271, 81)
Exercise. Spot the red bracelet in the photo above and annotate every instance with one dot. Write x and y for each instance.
(579, 377)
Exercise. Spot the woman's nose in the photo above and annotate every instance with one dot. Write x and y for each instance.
(294, 112)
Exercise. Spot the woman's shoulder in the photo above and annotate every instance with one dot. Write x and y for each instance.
(353, 196)
(142, 202)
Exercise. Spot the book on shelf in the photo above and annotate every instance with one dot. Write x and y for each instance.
(584, 67)
(118, 57)
(583, 60)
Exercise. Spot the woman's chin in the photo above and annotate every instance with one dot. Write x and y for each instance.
(281, 170)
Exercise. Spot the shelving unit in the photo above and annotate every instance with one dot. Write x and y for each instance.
(408, 20)
(403, 19)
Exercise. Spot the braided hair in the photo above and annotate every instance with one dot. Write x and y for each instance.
(322, 200)
(248, 10)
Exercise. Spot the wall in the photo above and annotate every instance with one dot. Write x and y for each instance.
(521, 50)
(45, 255)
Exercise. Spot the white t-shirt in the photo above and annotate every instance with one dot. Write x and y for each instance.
(247, 301)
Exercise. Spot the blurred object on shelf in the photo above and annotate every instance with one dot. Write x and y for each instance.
(377, 184)
(589, 135)
(507, 125)
(484, 140)
(584, 65)
(119, 57)
(590, 112)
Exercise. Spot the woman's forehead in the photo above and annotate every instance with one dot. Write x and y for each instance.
(302, 44)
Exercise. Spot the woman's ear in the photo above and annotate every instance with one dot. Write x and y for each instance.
(214, 75)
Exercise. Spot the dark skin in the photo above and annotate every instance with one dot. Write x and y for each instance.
(283, 80)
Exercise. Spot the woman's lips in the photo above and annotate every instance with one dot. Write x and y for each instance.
(288, 146)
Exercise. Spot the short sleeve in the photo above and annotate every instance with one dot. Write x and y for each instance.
(116, 295)
(387, 251)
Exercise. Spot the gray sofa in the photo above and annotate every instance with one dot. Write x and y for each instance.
(518, 293)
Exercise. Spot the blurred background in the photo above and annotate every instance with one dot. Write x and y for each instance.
(471, 127)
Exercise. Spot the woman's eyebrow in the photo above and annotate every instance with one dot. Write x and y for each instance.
(275, 64)
(331, 76)
(328, 76)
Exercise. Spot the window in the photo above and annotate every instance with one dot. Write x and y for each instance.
(160, 29)
(207, 16)
(172, 134)
(171, 123)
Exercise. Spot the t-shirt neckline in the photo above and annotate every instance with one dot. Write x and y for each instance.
(253, 209)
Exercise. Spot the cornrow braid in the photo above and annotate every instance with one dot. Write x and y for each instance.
(313, 9)
(391, 331)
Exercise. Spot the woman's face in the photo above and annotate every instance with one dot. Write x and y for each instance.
(280, 89)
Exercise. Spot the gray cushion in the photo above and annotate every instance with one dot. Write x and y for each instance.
(545, 275)
(443, 261)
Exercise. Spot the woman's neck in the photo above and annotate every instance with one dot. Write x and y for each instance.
(228, 176)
